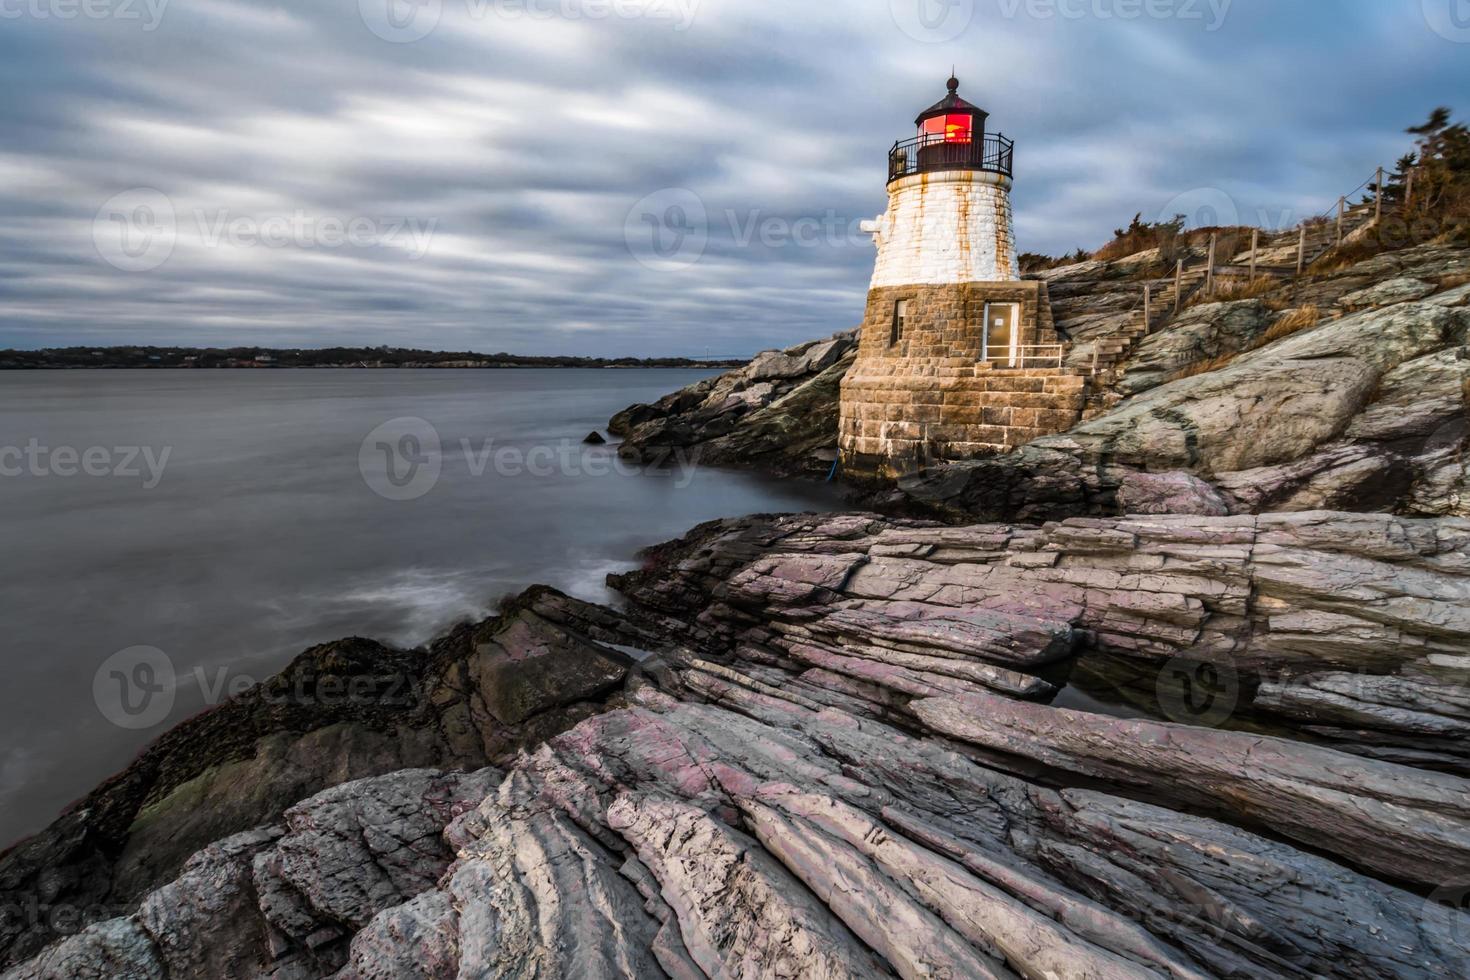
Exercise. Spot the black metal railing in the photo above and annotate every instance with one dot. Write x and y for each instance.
(933, 151)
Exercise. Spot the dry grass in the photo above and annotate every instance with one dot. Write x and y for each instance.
(1294, 321)
(1229, 291)
(1337, 259)
(1203, 367)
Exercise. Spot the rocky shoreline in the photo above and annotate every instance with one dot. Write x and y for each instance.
(1182, 692)
(831, 745)
(1360, 402)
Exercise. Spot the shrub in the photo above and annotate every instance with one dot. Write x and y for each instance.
(1037, 262)
(1141, 235)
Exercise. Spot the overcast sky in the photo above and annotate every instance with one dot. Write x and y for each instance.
(631, 176)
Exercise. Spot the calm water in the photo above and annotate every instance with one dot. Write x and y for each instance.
(268, 526)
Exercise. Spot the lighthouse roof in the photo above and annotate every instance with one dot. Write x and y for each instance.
(951, 103)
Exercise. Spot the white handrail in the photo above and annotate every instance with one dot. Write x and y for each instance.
(1028, 355)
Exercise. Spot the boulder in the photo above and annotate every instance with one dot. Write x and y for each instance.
(1169, 493)
(525, 665)
(1386, 293)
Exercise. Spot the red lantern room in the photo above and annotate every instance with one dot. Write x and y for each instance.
(951, 137)
(952, 119)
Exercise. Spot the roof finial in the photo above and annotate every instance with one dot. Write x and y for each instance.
(954, 83)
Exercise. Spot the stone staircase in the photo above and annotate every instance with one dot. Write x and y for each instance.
(1164, 298)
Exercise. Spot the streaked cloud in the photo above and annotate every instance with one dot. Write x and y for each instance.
(523, 139)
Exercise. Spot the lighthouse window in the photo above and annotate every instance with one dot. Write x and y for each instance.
(900, 314)
(953, 127)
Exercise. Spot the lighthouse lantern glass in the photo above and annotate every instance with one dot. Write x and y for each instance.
(953, 127)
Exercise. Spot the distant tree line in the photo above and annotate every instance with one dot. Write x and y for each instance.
(362, 357)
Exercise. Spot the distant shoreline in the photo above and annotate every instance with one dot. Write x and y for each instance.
(712, 365)
(351, 358)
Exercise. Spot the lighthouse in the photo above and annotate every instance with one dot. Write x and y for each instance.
(958, 356)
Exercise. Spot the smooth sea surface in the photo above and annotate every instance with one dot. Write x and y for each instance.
(226, 520)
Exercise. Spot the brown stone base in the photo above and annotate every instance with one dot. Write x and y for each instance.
(927, 395)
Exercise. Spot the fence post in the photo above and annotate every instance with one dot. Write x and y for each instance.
(1255, 240)
(1301, 251)
(1378, 197)
(1210, 267)
(1147, 303)
(1178, 282)
(1341, 208)
(1094, 360)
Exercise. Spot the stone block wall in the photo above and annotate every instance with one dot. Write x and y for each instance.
(946, 322)
(949, 226)
(929, 396)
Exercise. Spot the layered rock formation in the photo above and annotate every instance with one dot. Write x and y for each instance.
(341, 711)
(841, 750)
(778, 413)
(1367, 412)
